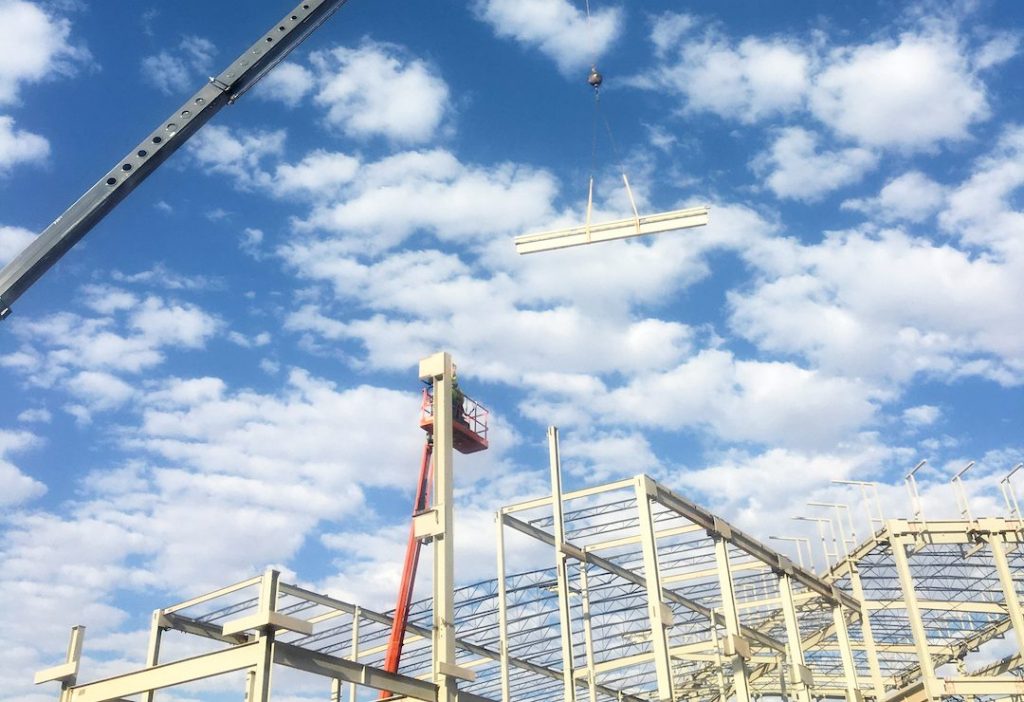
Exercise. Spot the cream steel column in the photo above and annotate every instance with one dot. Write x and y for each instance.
(800, 674)
(506, 693)
(659, 613)
(737, 648)
(561, 569)
(1013, 608)
(438, 369)
(932, 686)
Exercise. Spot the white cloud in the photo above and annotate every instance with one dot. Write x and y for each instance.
(982, 211)
(40, 415)
(557, 28)
(748, 81)
(135, 339)
(100, 390)
(602, 457)
(288, 83)
(177, 72)
(433, 191)
(921, 415)
(376, 90)
(36, 47)
(318, 174)
(913, 197)
(13, 241)
(421, 300)
(740, 401)
(924, 308)
(107, 299)
(216, 150)
(907, 94)
(172, 324)
(160, 276)
(997, 50)
(251, 242)
(19, 146)
(15, 486)
(797, 169)
(875, 94)
(770, 487)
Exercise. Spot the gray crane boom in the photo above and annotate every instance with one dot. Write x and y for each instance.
(65, 231)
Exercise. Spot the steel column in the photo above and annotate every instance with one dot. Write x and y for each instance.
(659, 613)
(931, 686)
(506, 692)
(439, 369)
(997, 545)
(740, 674)
(588, 634)
(799, 673)
(153, 652)
(877, 686)
(846, 653)
(353, 689)
(561, 569)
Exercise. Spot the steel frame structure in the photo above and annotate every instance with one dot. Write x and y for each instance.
(649, 596)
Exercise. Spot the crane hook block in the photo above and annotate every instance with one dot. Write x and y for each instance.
(595, 79)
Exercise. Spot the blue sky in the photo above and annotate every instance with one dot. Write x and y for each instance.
(222, 376)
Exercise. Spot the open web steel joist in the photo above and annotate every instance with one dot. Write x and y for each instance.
(647, 596)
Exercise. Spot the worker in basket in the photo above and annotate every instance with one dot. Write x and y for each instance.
(458, 399)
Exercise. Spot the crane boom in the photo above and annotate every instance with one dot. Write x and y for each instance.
(126, 175)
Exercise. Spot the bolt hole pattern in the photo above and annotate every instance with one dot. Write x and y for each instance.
(111, 181)
(142, 153)
(157, 140)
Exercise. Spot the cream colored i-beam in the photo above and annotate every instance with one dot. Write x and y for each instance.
(439, 370)
(608, 231)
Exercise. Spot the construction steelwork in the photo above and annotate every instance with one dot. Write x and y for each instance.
(648, 597)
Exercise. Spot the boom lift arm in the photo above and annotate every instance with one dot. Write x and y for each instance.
(243, 73)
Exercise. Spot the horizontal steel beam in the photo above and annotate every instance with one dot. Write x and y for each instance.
(608, 231)
(169, 674)
(349, 671)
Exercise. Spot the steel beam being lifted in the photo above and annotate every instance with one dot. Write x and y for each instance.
(608, 231)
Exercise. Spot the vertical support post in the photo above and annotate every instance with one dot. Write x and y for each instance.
(439, 369)
(73, 657)
(1010, 596)
(353, 689)
(658, 613)
(717, 645)
(800, 674)
(153, 651)
(1012, 506)
(915, 496)
(877, 686)
(260, 679)
(931, 684)
(561, 568)
(506, 692)
(846, 653)
(735, 644)
(588, 633)
(963, 502)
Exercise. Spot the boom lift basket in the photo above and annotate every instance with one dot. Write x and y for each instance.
(469, 430)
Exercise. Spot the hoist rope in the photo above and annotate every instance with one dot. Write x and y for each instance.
(608, 129)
